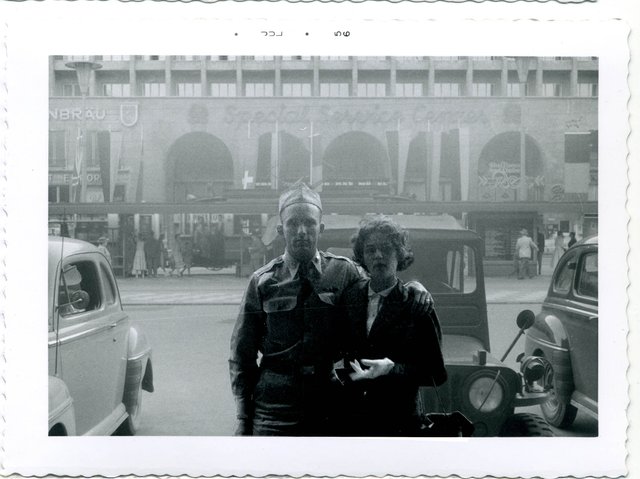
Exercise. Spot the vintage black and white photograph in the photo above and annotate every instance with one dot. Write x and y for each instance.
(339, 248)
(474, 179)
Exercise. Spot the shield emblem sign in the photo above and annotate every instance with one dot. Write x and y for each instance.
(129, 114)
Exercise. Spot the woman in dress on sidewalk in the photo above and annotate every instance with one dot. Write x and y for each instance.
(139, 261)
(178, 261)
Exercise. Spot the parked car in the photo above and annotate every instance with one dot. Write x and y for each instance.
(448, 262)
(565, 335)
(99, 363)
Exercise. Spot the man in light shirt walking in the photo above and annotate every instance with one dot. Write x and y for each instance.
(524, 249)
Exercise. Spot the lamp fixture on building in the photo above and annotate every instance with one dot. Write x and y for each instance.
(83, 70)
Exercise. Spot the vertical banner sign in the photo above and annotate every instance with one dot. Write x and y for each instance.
(393, 151)
(117, 151)
(463, 134)
(263, 166)
(104, 160)
(275, 158)
(577, 149)
(316, 142)
(435, 165)
(450, 165)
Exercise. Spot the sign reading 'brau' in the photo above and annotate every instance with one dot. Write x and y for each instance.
(74, 114)
(374, 114)
(127, 113)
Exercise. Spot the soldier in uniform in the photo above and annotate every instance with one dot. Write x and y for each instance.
(289, 315)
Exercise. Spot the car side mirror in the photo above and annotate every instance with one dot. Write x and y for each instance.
(80, 299)
(525, 319)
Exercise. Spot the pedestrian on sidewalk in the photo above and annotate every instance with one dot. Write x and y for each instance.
(164, 256)
(524, 247)
(139, 268)
(103, 243)
(256, 251)
(559, 249)
(572, 240)
(186, 248)
(541, 246)
(152, 250)
(176, 261)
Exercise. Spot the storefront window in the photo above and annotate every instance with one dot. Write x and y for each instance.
(71, 89)
(483, 89)
(372, 89)
(587, 89)
(189, 89)
(116, 89)
(155, 89)
(296, 89)
(409, 89)
(259, 89)
(57, 148)
(223, 89)
(447, 89)
(552, 89)
(334, 89)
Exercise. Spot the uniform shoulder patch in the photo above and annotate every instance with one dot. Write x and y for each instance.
(269, 266)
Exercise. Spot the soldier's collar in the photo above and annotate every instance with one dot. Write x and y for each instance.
(292, 264)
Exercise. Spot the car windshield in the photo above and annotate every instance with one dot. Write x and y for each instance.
(443, 266)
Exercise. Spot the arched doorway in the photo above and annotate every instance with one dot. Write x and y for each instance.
(200, 166)
(499, 168)
(355, 159)
(292, 162)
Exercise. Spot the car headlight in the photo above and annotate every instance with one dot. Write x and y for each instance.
(486, 393)
(536, 372)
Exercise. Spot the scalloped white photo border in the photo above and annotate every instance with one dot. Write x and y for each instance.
(25, 447)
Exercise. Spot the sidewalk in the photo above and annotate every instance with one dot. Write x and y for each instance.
(224, 287)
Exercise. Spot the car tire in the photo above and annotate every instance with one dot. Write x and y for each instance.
(556, 411)
(131, 425)
(526, 425)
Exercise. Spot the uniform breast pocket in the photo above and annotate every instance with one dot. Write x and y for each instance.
(283, 329)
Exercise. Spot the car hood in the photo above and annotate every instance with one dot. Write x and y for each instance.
(457, 348)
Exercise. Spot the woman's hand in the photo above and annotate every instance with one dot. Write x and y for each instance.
(374, 368)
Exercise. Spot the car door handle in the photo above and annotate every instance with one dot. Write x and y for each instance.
(113, 325)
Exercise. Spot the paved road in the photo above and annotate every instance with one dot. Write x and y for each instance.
(190, 351)
(204, 287)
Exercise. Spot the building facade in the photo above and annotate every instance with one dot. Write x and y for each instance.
(431, 129)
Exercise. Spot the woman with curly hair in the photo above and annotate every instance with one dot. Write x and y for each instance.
(390, 350)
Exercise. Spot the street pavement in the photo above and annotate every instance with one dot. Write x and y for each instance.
(225, 287)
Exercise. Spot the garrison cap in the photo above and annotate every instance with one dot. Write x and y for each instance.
(299, 193)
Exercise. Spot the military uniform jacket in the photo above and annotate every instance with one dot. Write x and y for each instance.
(290, 341)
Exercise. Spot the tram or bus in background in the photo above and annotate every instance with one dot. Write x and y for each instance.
(215, 241)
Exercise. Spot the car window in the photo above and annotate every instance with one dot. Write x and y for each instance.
(109, 286)
(79, 288)
(443, 268)
(564, 277)
(588, 276)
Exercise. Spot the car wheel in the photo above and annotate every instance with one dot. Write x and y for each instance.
(556, 411)
(526, 425)
(131, 425)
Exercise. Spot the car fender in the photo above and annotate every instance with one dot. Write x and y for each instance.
(139, 371)
(548, 338)
(548, 332)
(62, 420)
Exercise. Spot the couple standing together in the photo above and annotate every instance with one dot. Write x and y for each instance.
(321, 348)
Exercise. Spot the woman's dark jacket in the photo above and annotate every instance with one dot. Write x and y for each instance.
(387, 405)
